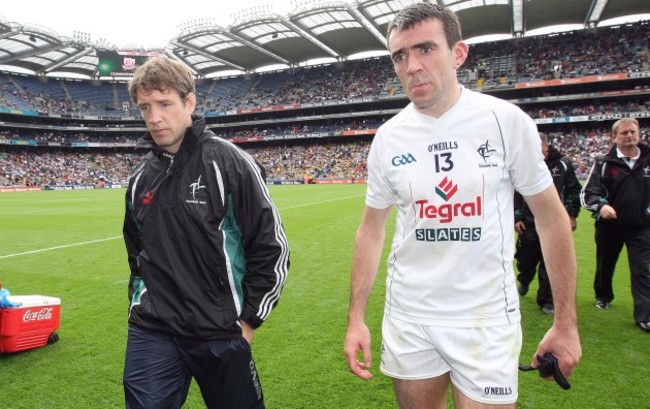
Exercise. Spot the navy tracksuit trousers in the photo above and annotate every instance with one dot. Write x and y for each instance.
(159, 369)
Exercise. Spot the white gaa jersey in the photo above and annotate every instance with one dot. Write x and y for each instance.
(452, 181)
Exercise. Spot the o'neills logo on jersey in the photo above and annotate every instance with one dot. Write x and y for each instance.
(498, 390)
(446, 212)
(44, 314)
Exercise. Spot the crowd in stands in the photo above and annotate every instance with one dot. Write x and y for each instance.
(490, 65)
(303, 129)
(581, 53)
(582, 146)
(498, 64)
(283, 163)
(315, 159)
(67, 137)
(585, 108)
(42, 167)
(39, 101)
(322, 84)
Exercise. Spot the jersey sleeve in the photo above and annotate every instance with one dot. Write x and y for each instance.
(378, 192)
(529, 172)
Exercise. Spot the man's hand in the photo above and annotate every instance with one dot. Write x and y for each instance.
(247, 332)
(565, 345)
(553, 227)
(358, 340)
(520, 227)
(607, 212)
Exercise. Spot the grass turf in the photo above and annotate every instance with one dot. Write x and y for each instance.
(67, 244)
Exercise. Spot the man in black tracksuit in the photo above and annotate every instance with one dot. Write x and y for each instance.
(529, 250)
(617, 193)
(206, 249)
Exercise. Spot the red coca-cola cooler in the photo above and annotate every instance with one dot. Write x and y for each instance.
(31, 324)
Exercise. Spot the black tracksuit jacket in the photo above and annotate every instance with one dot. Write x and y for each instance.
(611, 181)
(205, 243)
(566, 182)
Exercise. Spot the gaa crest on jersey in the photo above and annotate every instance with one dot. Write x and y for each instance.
(403, 160)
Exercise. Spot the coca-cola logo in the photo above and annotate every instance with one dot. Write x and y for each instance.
(43, 314)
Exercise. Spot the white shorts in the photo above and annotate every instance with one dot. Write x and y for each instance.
(482, 361)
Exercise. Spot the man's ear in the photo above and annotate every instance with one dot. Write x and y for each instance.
(460, 50)
(190, 101)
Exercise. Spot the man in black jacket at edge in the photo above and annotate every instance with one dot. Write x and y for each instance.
(529, 251)
(207, 252)
(617, 192)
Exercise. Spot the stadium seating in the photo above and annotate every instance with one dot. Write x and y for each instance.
(317, 122)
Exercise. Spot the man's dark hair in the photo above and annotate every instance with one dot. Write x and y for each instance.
(410, 16)
(161, 73)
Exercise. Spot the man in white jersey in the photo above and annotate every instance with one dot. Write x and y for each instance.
(450, 163)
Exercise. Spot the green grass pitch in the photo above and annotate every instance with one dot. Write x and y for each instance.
(67, 244)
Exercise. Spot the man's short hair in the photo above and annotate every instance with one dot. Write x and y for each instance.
(162, 73)
(624, 121)
(411, 15)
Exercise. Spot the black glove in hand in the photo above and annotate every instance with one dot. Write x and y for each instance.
(547, 366)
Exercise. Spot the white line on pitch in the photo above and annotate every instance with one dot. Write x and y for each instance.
(60, 247)
(322, 201)
(119, 237)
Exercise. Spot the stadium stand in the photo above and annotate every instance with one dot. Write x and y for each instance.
(315, 124)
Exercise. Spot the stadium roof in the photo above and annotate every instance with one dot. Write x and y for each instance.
(313, 30)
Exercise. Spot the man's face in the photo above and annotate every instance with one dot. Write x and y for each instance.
(426, 66)
(167, 116)
(627, 136)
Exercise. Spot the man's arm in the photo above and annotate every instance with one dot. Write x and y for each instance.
(554, 230)
(265, 245)
(131, 241)
(593, 194)
(368, 246)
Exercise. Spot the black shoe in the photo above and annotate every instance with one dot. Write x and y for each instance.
(644, 325)
(548, 309)
(603, 305)
(522, 289)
